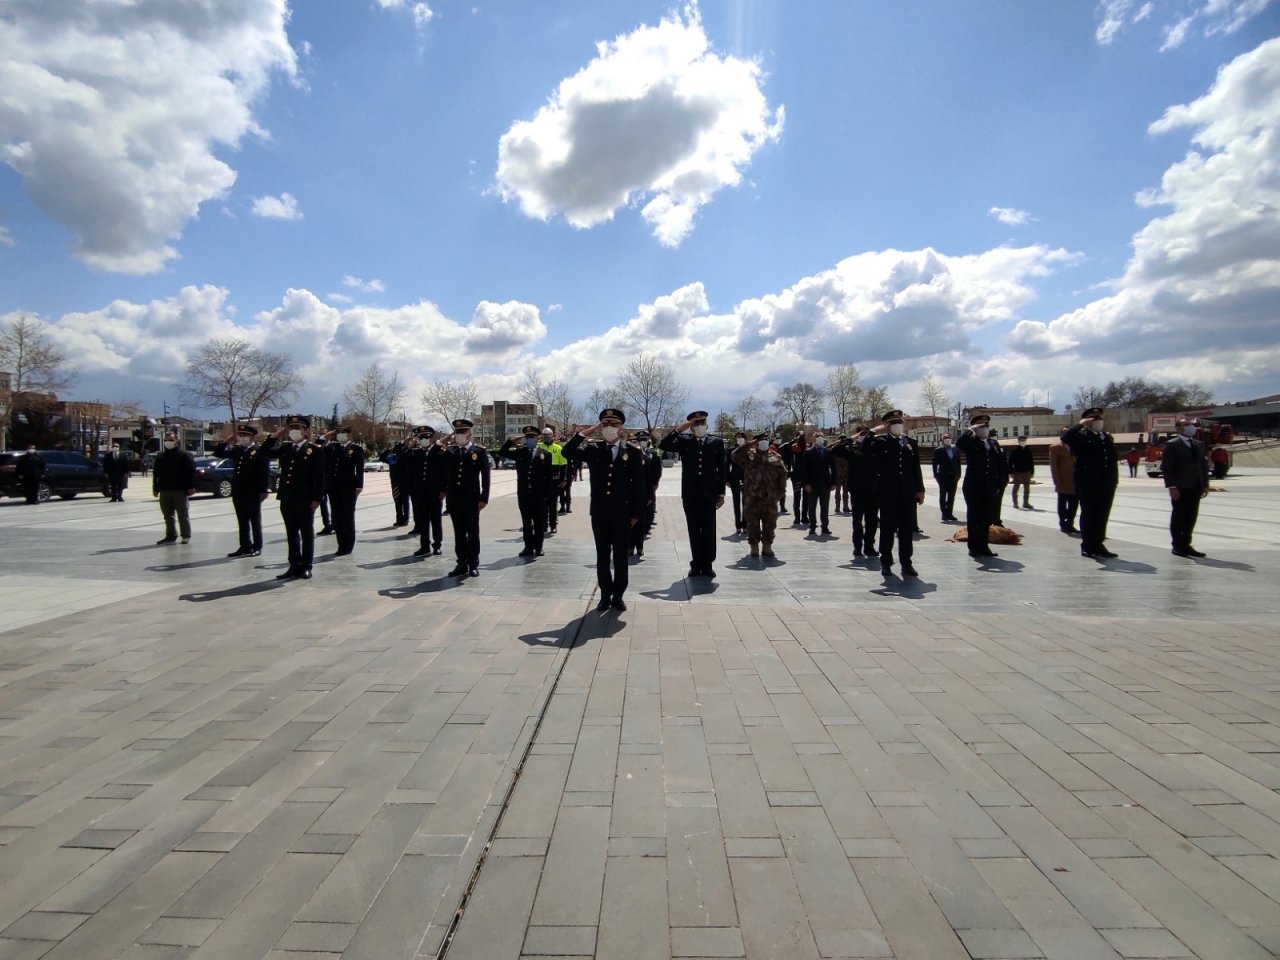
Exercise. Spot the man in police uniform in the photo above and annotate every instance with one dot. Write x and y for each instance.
(424, 474)
(984, 478)
(344, 482)
(466, 493)
(617, 500)
(1097, 475)
(535, 481)
(704, 470)
(250, 485)
(861, 473)
(1184, 464)
(652, 477)
(899, 488)
(302, 484)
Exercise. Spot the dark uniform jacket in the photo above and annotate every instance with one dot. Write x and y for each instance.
(704, 467)
(818, 467)
(1184, 464)
(984, 465)
(174, 470)
(302, 472)
(536, 476)
(344, 468)
(946, 465)
(617, 483)
(1097, 462)
(423, 467)
(652, 471)
(252, 466)
(466, 476)
(897, 465)
(861, 472)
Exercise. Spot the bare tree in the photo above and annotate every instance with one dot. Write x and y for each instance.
(649, 389)
(451, 400)
(871, 403)
(725, 426)
(374, 396)
(240, 377)
(37, 366)
(933, 396)
(543, 394)
(844, 389)
(1086, 397)
(800, 401)
(563, 411)
(748, 411)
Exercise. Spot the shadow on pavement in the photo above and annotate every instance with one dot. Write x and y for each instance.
(193, 565)
(576, 632)
(1126, 566)
(1000, 565)
(146, 546)
(678, 592)
(393, 562)
(438, 585)
(244, 590)
(909, 588)
(1225, 564)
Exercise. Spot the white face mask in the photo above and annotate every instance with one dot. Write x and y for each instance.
(700, 431)
(819, 441)
(1096, 426)
(896, 429)
(762, 445)
(642, 444)
(295, 435)
(610, 434)
(1189, 430)
(462, 439)
(981, 432)
(170, 444)
(244, 441)
(741, 441)
(341, 438)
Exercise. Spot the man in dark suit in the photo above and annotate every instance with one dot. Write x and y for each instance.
(946, 474)
(344, 482)
(115, 467)
(466, 493)
(250, 485)
(984, 478)
(535, 480)
(1185, 466)
(861, 480)
(819, 469)
(899, 488)
(302, 485)
(31, 469)
(398, 463)
(704, 471)
(652, 477)
(1097, 475)
(617, 499)
(735, 483)
(424, 475)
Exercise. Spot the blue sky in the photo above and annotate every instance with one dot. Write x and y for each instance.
(1020, 198)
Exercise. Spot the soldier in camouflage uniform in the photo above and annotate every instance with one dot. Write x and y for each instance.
(764, 482)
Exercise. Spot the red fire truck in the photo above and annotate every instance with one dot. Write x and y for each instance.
(1162, 426)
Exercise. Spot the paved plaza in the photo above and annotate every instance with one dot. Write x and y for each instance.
(1040, 757)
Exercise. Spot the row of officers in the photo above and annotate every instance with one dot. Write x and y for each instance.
(435, 475)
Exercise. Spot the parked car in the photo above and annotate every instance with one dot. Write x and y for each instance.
(213, 475)
(68, 475)
(376, 466)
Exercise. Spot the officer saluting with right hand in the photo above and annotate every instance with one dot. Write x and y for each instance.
(250, 484)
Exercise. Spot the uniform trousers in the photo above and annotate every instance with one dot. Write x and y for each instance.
(343, 505)
(1182, 521)
(326, 519)
(819, 504)
(735, 491)
(612, 535)
(799, 500)
(533, 519)
(761, 518)
(248, 506)
(1095, 511)
(299, 531)
(897, 520)
(700, 517)
(866, 518)
(947, 498)
(426, 516)
(1068, 504)
(466, 531)
(173, 503)
(401, 497)
(641, 530)
(978, 500)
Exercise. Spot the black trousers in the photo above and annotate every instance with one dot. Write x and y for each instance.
(300, 532)
(344, 518)
(700, 517)
(31, 488)
(533, 519)
(466, 531)
(819, 503)
(866, 519)
(249, 519)
(978, 501)
(1068, 504)
(897, 521)
(566, 492)
(326, 519)
(641, 530)
(799, 505)
(996, 510)
(400, 496)
(551, 509)
(1095, 511)
(1182, 521)
(612, 535)
(735, 491)
(947, 498)
(427, 517)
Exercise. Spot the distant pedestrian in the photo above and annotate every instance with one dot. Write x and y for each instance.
(115, 467)
(1062, 467)
(946, 474)
(31, 472)
(174, 480)
(735, 483)
(1022, 467)
(1221, 461)
(1133, 458)
(1185, 467)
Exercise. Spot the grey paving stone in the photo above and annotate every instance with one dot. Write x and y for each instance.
(42, 925)
(633, 912)
(498, 915)
(998, 944)
(573, 875)
(706, 942)
(318, 937)
(698, 888)
(559, 941)
(179, 931)
(401, 916)
(1145, 943)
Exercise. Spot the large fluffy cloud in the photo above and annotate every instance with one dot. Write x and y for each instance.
(656, 118)
(111, 111)
(1207, 274)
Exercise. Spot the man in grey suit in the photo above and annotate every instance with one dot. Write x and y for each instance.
(1185, 466)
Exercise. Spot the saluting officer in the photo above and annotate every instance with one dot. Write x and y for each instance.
(861, 472)
(652, 477)
(984, 477)
(1097, 475)
(466, 493)
(617, 500)
(704, 471)
(899, 488)
(301, 487)
(424, 472)
(535, 481)
(344, 465)
(250, 485)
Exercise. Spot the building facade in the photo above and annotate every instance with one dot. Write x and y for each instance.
(502, 419)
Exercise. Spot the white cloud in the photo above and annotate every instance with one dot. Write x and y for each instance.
(657, 119)
(1216, 16)
(6, 238)
(555, 307)
(283, 207)
(422, 13)
(1176, 33)
(340, 298)
(1204, 278)
(499, 329)
(367, 286)
(111, 112)
(1111, 18)
(1010, 216)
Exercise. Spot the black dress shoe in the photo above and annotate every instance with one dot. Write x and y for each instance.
(325, 532)
(1106, 554)
(1179, 552)
(238, 553)
(304, 574)
(604, 604)
(287, 575)
(526, 552)
(163, 540)
(342, 553)
(826, 531)
(857, 553)
(459, 571)
(254, 553)
(618, 604)
(537, 553)
(1193, 552)
(422, 552)
(473, 571)
(886, 569)
(1087, 552)
(640, 551)
(435, 549)
(909, 571)
(710, 573)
